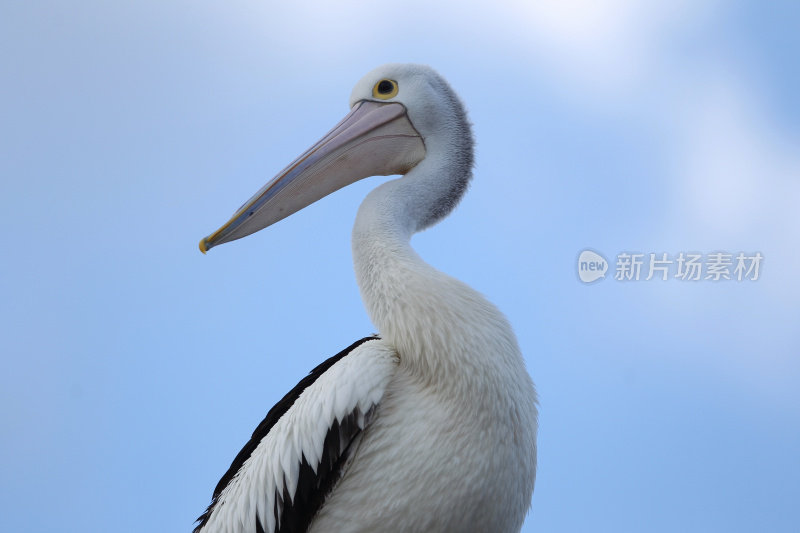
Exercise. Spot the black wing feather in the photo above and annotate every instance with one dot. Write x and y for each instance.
(311, 488)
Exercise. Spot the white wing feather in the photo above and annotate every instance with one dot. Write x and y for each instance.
(355, 383)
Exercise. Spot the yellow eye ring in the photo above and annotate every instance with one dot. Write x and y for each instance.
(385, 89)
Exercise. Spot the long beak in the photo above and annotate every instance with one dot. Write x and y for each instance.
(374, 139)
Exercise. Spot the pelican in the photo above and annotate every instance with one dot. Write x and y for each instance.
(429, 425)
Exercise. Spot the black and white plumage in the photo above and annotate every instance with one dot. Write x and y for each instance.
(432, 425)
(308, 447)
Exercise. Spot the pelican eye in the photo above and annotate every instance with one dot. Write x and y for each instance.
(385, 89)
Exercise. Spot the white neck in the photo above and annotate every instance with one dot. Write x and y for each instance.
(440, 326)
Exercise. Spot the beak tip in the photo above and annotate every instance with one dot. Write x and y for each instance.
(203, 245)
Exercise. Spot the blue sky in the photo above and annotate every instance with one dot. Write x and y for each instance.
(134, 368)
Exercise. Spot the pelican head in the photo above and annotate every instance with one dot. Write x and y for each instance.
(400, 116)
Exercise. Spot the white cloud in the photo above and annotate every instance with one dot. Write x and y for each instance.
(605, 48)
(736, 172)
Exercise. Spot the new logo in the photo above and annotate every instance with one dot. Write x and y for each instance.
(591, 266)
